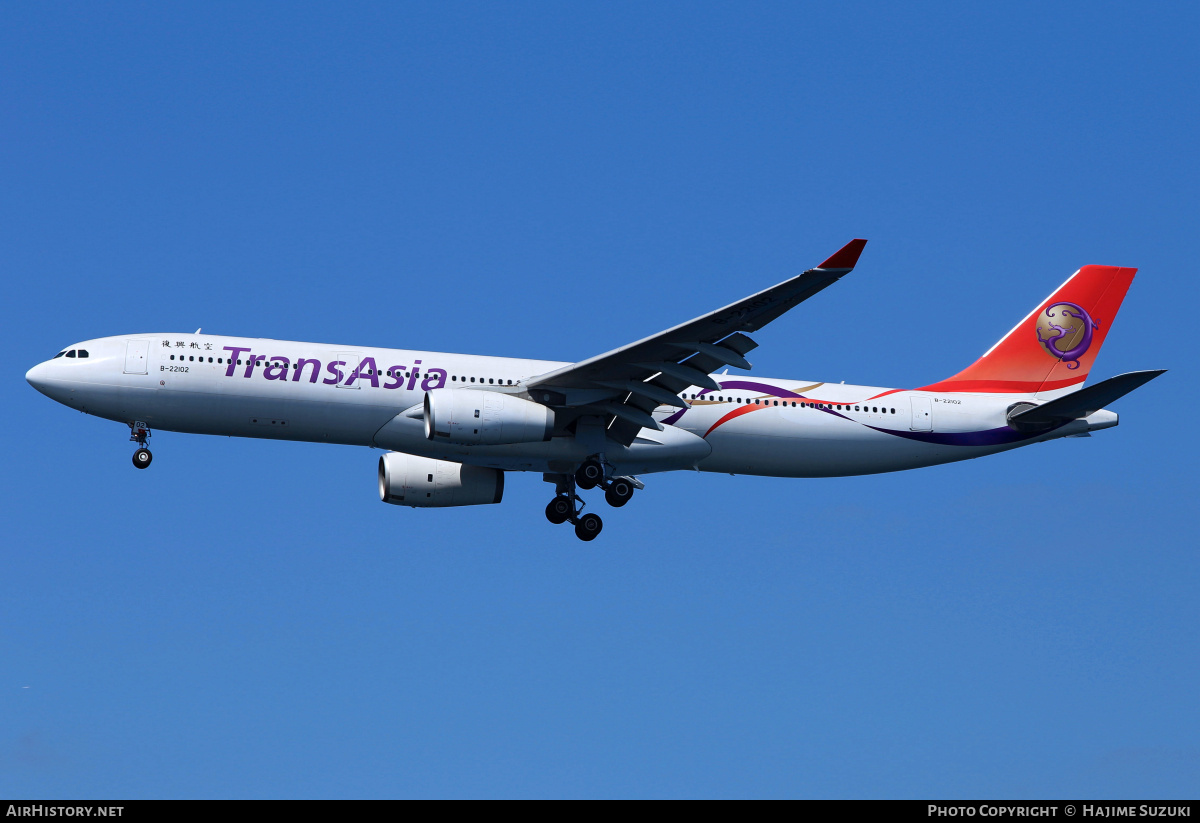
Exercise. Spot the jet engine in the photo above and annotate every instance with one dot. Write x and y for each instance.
(409, 480)
(469, 417)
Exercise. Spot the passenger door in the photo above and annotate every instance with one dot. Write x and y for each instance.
(137, 352)
(922, 414)
(351, 360)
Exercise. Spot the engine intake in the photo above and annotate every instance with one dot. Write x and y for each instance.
(421, 482)
(469, 417)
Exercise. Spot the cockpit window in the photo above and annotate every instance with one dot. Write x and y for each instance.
(60, 354)
(71, 353)
(83, 353)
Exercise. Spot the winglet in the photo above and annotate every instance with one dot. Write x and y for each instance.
(846, 257)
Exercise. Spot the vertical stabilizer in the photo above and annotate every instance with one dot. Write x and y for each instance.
(1051, 351)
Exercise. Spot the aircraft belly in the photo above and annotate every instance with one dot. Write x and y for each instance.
(652, 451)
(827, 448)
(204, 408)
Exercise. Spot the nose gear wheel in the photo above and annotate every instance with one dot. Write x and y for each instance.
(140, 433)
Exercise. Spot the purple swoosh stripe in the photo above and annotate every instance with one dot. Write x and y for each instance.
(774, 391)
(670, 420)
(990, 437)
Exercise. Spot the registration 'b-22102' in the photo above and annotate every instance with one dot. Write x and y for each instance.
(453, 424)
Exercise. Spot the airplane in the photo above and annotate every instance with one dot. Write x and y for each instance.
(452, 425)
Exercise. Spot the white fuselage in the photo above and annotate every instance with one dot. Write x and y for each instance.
(367, 396)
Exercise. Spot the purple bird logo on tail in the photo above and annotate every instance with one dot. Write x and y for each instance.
(1065, 331)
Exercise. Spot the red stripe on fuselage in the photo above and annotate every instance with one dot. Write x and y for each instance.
(738, 412)
(1003, 386)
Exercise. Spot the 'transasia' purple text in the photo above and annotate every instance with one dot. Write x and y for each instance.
(278, 368)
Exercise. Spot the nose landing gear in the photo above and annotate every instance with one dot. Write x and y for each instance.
(139, 433)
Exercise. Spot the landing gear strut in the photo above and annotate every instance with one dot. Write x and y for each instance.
(139, 433)
(567, 506)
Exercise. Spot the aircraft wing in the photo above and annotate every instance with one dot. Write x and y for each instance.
(627, 384)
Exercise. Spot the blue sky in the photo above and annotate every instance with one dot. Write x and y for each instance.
(246, 619)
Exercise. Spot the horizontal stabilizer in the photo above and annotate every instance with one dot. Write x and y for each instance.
(1085, 401)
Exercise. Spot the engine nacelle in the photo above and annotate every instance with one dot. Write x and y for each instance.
(409, 480)
(469, 417)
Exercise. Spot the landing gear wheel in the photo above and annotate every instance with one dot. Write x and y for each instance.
(559, 510)
(618, 492)
(589, 475)
(588, 527)
(142, 458)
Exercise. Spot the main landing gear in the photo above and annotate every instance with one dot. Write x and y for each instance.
(567, 505)
(139, 433)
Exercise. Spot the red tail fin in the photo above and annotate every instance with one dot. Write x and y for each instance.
(1054, 347)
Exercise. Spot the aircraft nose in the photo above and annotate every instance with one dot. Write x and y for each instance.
(36, 377)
